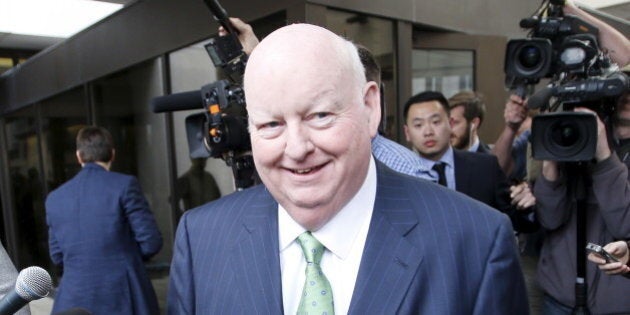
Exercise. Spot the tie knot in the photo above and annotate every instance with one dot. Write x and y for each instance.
(439, 167)
(312, 248)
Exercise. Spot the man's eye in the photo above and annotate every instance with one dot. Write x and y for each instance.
(321, 119)
(273, 124)
(321, 115)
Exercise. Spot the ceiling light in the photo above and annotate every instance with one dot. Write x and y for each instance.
(59, 18)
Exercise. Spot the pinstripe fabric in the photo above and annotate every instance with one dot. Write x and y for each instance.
(429, 251)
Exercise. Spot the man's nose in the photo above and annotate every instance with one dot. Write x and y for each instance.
(299, 143)
(428, 130)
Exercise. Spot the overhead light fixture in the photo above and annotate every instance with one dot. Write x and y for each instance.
(58, 18)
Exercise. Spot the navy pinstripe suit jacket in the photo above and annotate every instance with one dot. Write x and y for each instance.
(429, 250)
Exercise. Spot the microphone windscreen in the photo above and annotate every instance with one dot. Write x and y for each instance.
(33, 283)
(540, 98)
(177, 101)
(528, 22)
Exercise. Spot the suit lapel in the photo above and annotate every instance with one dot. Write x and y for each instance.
(256, 257)
(389, 260)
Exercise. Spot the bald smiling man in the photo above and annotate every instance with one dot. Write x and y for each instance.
(331, 230)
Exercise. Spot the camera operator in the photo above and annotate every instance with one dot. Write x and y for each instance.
(607, 208)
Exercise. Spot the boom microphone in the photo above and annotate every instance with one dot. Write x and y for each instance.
(32, 283)
(221, 16)
(177, 101)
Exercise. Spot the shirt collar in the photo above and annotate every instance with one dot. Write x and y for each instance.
(475, 146)
(340, 233)
(446, 158)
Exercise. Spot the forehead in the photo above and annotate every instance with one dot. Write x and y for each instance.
(426, 108)
(457, 111)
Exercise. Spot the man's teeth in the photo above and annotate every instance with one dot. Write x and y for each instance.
(304, 171)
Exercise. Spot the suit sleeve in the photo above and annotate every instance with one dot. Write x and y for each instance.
(502, 289)
(53, 247)
(141, 220)
(56, 254)
(180, 299)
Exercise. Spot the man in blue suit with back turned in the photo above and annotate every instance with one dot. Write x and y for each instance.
(100, 230)
(332, 231)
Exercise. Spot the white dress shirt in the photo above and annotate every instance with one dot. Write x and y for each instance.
(344, 238)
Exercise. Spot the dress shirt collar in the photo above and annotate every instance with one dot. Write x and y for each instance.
(447, 158)
(426, 168)
(340, 233)
(475, 146)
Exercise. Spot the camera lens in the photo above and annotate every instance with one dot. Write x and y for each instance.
(567, 137)
(565, 134)
(529, 57)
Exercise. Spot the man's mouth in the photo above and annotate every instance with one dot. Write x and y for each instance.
(306, 170)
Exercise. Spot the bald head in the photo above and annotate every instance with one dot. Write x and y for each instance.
(303, 49)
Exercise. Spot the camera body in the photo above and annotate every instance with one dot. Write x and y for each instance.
(565, 50)
(220, 130)
(556, 44)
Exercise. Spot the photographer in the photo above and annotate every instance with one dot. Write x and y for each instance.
(607, 207)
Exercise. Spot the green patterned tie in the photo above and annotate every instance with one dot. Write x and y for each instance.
(317, 295)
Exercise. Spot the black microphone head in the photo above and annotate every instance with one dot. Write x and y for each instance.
(529, 22)
(540, 98)
(33, 283)
(177, 101)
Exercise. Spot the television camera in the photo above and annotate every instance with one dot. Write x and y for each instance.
(565, 50)
(220, 131)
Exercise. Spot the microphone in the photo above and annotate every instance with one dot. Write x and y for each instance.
(592, 89)
(221, 16)
(540, 98)
(530, 22)
(32, 283)
(177, 101)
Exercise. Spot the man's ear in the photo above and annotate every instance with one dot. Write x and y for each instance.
(474, 124)
(372, 102)
(78, 154)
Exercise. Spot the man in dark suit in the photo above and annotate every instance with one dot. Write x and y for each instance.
(428, 128)
(328, 216)
(100, 230)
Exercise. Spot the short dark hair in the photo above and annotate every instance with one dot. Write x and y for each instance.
(426, 96)
(474, 105)
(95, 144)
(372, 69)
